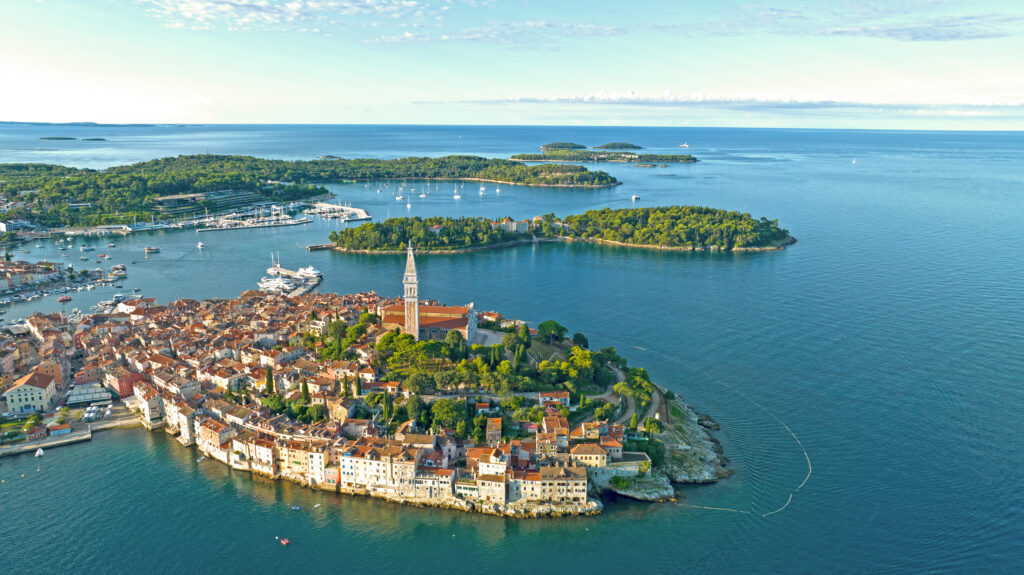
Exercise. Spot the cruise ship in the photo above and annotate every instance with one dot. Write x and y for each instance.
(276, 285)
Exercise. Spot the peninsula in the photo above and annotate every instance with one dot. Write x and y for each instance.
(683, 228)
(405, 400)
(55, 196)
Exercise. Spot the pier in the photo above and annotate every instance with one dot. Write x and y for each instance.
(346, 213)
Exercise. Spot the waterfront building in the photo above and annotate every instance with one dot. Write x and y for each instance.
(32, 392)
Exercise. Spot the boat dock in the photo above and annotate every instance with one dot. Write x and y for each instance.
(346, 213)
(306, 287)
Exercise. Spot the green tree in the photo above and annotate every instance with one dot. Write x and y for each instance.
(523, 331)
(305, 392)
(552, 331)
(580, 340)
(456, 345)
(268, 385)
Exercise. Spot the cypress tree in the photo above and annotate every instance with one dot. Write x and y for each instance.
(268, 386)
(305, 392)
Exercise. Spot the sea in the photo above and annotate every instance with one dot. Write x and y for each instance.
(869, 380)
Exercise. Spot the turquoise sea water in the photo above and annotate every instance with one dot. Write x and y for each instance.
(889, 340)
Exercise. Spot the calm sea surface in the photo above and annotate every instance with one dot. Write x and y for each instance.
(889, 341)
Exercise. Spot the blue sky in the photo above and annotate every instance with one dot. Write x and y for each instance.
(919, 64)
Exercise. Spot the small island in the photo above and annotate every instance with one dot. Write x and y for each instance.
(94, 139)
(57, 138)
(602, 156)
(562, 146)
(139, 192)
(618, 146)
(680, 228)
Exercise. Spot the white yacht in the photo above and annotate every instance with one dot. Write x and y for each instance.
(309, 272)
(276, 284)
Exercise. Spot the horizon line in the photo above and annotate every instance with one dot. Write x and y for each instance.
(89, 123)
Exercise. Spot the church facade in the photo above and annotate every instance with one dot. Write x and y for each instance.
(426, 322)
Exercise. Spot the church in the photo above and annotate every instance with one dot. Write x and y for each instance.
(426, 322)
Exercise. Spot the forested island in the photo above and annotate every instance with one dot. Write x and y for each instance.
(57, 138)
(64, 196)
(562, 146)
(602, 156)
(686, 228)
(618, 146)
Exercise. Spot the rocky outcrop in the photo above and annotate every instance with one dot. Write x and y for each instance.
(649, 487)
(692, 454)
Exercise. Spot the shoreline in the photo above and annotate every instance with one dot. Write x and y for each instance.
(455, 251)
(507, 183)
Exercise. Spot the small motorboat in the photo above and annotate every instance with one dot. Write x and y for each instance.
(296, 508)
(201, 458)
(285, 542)
(317, 506)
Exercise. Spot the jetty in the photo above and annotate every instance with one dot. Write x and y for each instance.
(344, 213)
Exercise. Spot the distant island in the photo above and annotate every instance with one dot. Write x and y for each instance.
(94, 139)
(55, 196)
(681, 228)
(618, 146)
(57, 138)
(575, 155)
(562, 146)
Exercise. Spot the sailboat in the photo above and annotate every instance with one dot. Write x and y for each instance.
(684, 145)
(457, 195)
(497, 190)
(39, 452)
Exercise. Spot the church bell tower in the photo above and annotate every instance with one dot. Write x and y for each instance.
(412, 306)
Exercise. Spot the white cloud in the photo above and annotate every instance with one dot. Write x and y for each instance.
(271, 14)
(506, 33)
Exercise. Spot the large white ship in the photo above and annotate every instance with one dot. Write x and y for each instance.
(276, 284)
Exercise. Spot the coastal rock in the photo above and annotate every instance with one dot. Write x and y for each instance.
(651, 487)
(692, 454)
(705, 420)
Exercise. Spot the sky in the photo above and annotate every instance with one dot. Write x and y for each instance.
(917, 64)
